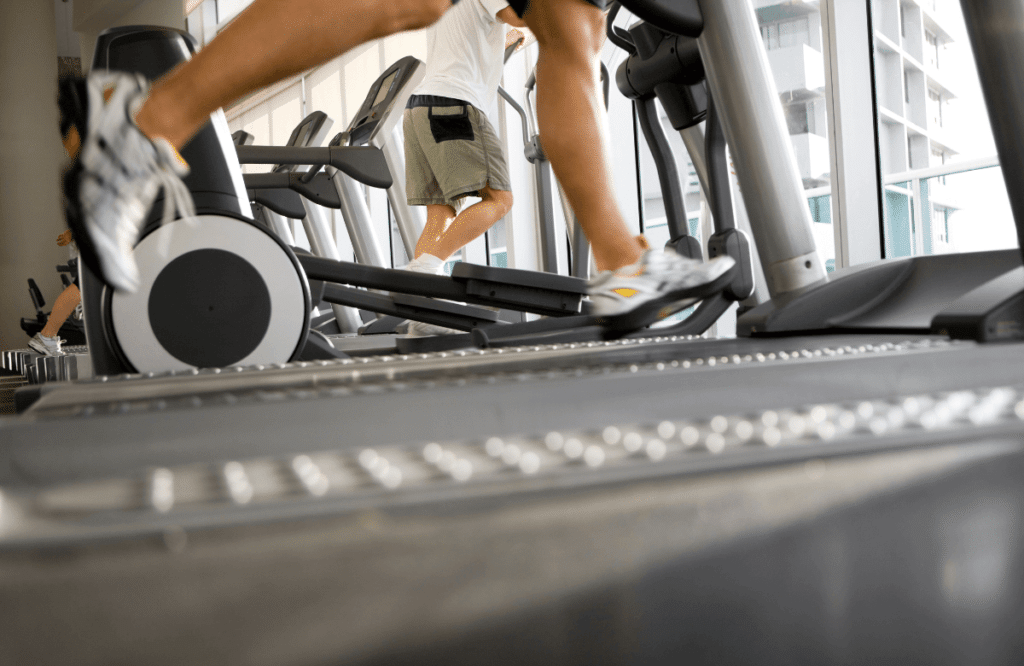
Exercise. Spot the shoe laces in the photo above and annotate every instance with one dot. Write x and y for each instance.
(177, 197)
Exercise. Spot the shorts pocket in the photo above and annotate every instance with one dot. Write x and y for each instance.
(451, 127)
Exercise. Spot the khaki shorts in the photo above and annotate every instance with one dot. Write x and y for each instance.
(451, 152)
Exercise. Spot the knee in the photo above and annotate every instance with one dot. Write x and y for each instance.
(572, 30)
(401, 15)
(501, 198)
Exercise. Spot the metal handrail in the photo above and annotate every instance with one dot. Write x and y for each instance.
(942, 170)
(950, 169)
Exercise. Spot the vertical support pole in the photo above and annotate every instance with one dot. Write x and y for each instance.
(741, 81)
(996, 31)
(850, 103)
(355, 212)
(318, 230)
(545, 216)
(919, 230)
(279, 225)
(410, 219)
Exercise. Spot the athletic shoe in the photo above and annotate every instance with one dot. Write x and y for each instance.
(45, 345)
(659, 285)
(425, 263)
(421, 329)
(117, 174)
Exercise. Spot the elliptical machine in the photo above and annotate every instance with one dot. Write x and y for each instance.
(220, 290)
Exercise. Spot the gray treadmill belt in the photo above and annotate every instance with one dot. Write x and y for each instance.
(824, 561)
(465, 363)
(318, 481)
(117, 437)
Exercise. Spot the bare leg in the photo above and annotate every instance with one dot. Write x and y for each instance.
(573, 122)
(469, 224)
(270, 40)
(62, 309)
(438, 217)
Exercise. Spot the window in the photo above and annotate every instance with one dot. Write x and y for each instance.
(797, 119)
(933, 48)
(786, 33)
(942, 123)
(793, 33)
(935, 107)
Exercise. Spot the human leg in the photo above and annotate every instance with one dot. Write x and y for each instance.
(471, 222)
(439, 216)
(130, 132)
(573, 126)
(62, 309)
(641, 286)
(268, 41)
(47, 341)
(464, 157)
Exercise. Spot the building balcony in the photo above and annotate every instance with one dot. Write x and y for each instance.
(799, 71)
(812, 158)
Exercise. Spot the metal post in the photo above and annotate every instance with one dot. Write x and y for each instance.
(321, 242)
(741, 81)
(579, 244)
(356, 214)
(918, 217)
(996, 31)
(279, 225)
(545, 216)
(410, 219)
(693, 140)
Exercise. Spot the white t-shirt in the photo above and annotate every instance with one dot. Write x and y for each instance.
(465, 53)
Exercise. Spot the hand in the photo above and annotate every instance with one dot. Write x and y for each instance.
(64, 238)
(512, 36)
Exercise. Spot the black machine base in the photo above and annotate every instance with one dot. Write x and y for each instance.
(963, 295)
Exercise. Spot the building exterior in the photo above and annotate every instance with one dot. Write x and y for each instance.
(910, 39)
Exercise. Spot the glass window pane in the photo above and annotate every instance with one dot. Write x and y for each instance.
(932, 115)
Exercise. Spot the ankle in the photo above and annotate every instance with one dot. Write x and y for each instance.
(156, 121)
(626, 257)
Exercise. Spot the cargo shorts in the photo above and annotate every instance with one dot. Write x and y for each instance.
(451, 151)
(520, 6)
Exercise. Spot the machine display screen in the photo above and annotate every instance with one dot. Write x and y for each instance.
(385, 88)
(303, 135)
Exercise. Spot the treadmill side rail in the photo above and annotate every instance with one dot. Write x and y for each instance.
(994, 312)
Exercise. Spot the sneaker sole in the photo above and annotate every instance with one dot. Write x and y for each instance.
(36, 347)
(72, 100)
(667, 305)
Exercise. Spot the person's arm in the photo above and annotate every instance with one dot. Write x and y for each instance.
(509, 16)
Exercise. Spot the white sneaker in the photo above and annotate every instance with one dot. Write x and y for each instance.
(421, 329)
(659, 285)
(117, 175)
(426, 263)
(46, 345)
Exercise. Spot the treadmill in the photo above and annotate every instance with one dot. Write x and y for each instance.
(850, 497)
